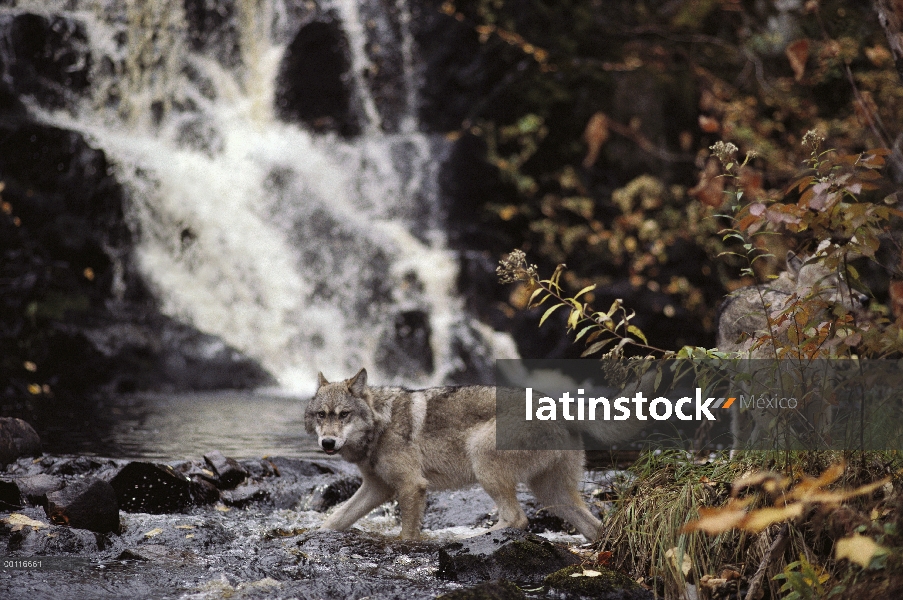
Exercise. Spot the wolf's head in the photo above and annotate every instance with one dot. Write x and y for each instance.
(341, 415)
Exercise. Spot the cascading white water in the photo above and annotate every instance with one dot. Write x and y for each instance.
(306, 251)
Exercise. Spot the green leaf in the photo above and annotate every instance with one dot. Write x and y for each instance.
(574, 318)
(549, 312)
(584, 331)
(588, 288)
(533, 296)
(636, 331)
(596, 347)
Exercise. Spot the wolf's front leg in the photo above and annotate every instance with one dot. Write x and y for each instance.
(371, 494)
(412, 503)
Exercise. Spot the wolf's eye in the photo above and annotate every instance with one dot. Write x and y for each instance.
(321, 414)
(343, 414)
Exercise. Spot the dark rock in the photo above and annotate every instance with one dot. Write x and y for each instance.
(30, 541)
(51, 60)
(229, 472)
(325, 497)
(17, 439)
(313, 84)
(299, 468)
(405, 348)
(80, 465)
(244, 495)
(84, 333)
(159, 489)
(492, 590)
(509, 553)
(35, 488)
(610, 585)
(10, 497)
(87, 505)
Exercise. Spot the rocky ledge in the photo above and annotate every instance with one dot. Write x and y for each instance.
(90, 527)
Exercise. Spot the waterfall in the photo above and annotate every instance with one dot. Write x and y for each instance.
(309, 241)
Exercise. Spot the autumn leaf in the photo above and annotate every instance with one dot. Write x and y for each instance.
(18, 521)
(595, 135)
(798, 53)
(858, 549)
(757, 520)
(718, 520)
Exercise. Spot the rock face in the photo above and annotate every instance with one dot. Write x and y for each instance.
(73, 291)
(509, 554)
(17, 438)
(313, 82)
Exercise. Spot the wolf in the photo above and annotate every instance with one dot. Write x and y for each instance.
(757, 322)
(407, 443)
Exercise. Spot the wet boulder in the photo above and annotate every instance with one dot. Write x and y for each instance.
(87, 505)
(10, 497)
(34, 488)
(244, 495)
(17, 438)
(491, 590)
(336, 492)
(510, 554)
(51, 541)
(228, 472)
(159, 489)
(595, 582)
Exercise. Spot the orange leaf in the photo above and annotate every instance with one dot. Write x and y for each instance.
(798, 53)
(595, 135)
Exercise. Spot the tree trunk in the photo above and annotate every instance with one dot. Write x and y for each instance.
(890, 13)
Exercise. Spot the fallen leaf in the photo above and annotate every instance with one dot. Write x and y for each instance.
(153, 532)
(18, 521)
(679, 560)
(858, 549)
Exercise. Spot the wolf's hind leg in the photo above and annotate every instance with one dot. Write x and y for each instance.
(556, 490)
(370, 495)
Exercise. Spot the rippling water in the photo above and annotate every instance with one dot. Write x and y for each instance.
(240, 424)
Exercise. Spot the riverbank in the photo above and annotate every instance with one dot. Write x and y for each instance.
(217, 528)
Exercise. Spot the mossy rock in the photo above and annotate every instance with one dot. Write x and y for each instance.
(610, 585)
(491, 590)
(509, 554)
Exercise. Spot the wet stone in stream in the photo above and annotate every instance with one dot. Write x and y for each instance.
(260, 539)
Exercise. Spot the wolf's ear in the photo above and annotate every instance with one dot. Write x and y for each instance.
(321, 381)
(794, 263)
(358, 384)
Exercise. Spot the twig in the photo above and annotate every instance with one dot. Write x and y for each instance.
(755, 591)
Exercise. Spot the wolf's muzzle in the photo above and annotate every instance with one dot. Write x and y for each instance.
(328, 445)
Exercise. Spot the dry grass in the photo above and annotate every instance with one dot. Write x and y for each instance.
(664, 491)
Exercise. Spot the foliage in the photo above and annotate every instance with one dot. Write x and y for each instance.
(653, 530)
(786, 502)
(600, 329)
(611, 176)
(837, 211)
(805, 581)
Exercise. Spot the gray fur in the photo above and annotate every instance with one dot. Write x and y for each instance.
(406, 443)
(748, 312)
